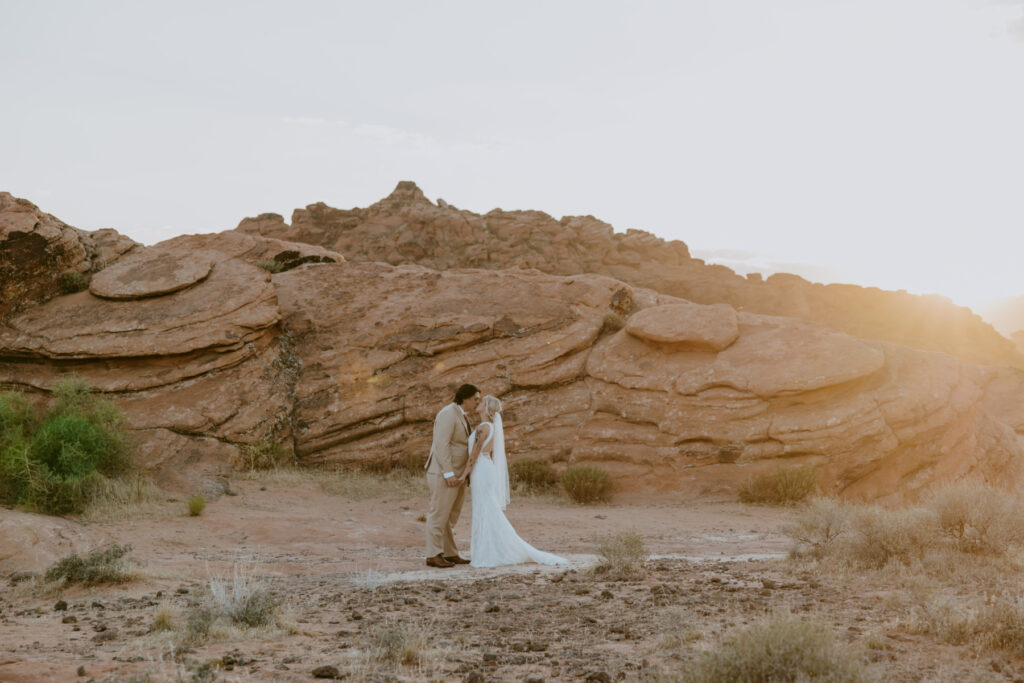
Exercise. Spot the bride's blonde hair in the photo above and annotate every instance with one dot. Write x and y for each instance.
(493, 406)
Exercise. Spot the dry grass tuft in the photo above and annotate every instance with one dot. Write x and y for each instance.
(163, 618)
(784, 486)
(621, 556)
(398, 643)
(132, 497)
(228, 606)
(780, 648)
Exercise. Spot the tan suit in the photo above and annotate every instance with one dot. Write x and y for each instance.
(449, 452)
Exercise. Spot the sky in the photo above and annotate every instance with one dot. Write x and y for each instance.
(876, 142)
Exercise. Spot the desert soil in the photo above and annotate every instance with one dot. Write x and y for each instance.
(346, 556)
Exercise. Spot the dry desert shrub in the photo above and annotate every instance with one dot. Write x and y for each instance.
(621, 555)
(818, 527)
(265, 454)
(879, 536)
(586, 484)
(958, 521)
(102, 565)
(533, 476)
(781, 648)
(784, 486)
(978, 519)
(996, 624)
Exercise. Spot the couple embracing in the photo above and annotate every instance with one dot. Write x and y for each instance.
(457, 452)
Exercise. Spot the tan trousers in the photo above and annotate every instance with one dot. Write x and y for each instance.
(445, 508)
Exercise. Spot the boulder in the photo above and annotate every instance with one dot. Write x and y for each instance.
(687, 325)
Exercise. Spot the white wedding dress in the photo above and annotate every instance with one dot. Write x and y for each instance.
(493, 542)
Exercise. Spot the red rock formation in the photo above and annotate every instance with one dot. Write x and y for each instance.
(36, 248)
(348, 362)
(384, 346)
(406, 227)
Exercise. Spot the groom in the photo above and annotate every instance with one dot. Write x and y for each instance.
(448, 455)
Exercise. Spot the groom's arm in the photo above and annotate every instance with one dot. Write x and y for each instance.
(444, 428)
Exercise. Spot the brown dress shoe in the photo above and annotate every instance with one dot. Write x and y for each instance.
(439, 562)
(455, 559)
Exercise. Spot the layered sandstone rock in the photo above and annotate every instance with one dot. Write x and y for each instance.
(383, 347)
(36, 248)
(406, 228)
(183, 336)
(347, 362)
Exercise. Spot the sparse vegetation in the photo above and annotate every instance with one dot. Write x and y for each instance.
(977, 519)
(102, 565)
(72, 281)
(782, 648)
(784, 486)
(265, 454)
(271, 266)
(819, 526)
(398, 643)
(58, 462)
(163, 618)
(613, 322)
(966, 520)
(410, 463)
(622, 555)
(196, 505)
(533, 476)
(241, 602)
(586, 484)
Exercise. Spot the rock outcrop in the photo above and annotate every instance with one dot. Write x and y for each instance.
(406, 228)
(347, 362)
(183, 336)
(37, 248)
(383, 346)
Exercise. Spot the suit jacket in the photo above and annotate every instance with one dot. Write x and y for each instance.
(450, 448)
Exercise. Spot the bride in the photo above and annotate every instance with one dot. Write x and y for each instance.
(493, 541)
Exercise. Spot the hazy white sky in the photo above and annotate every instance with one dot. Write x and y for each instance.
(881, 141)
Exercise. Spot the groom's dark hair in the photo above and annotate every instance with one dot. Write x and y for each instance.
(464, 392)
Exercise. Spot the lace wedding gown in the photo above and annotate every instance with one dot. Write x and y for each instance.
(493, 540)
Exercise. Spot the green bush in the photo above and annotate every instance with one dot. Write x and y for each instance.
(57, 462)
(533, 475)
(784, 486)
(196, 505)
(586, 484)
(780, 649)
(71, 282)
(103, 565)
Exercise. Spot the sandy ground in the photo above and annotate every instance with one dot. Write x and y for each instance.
(347, 557)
